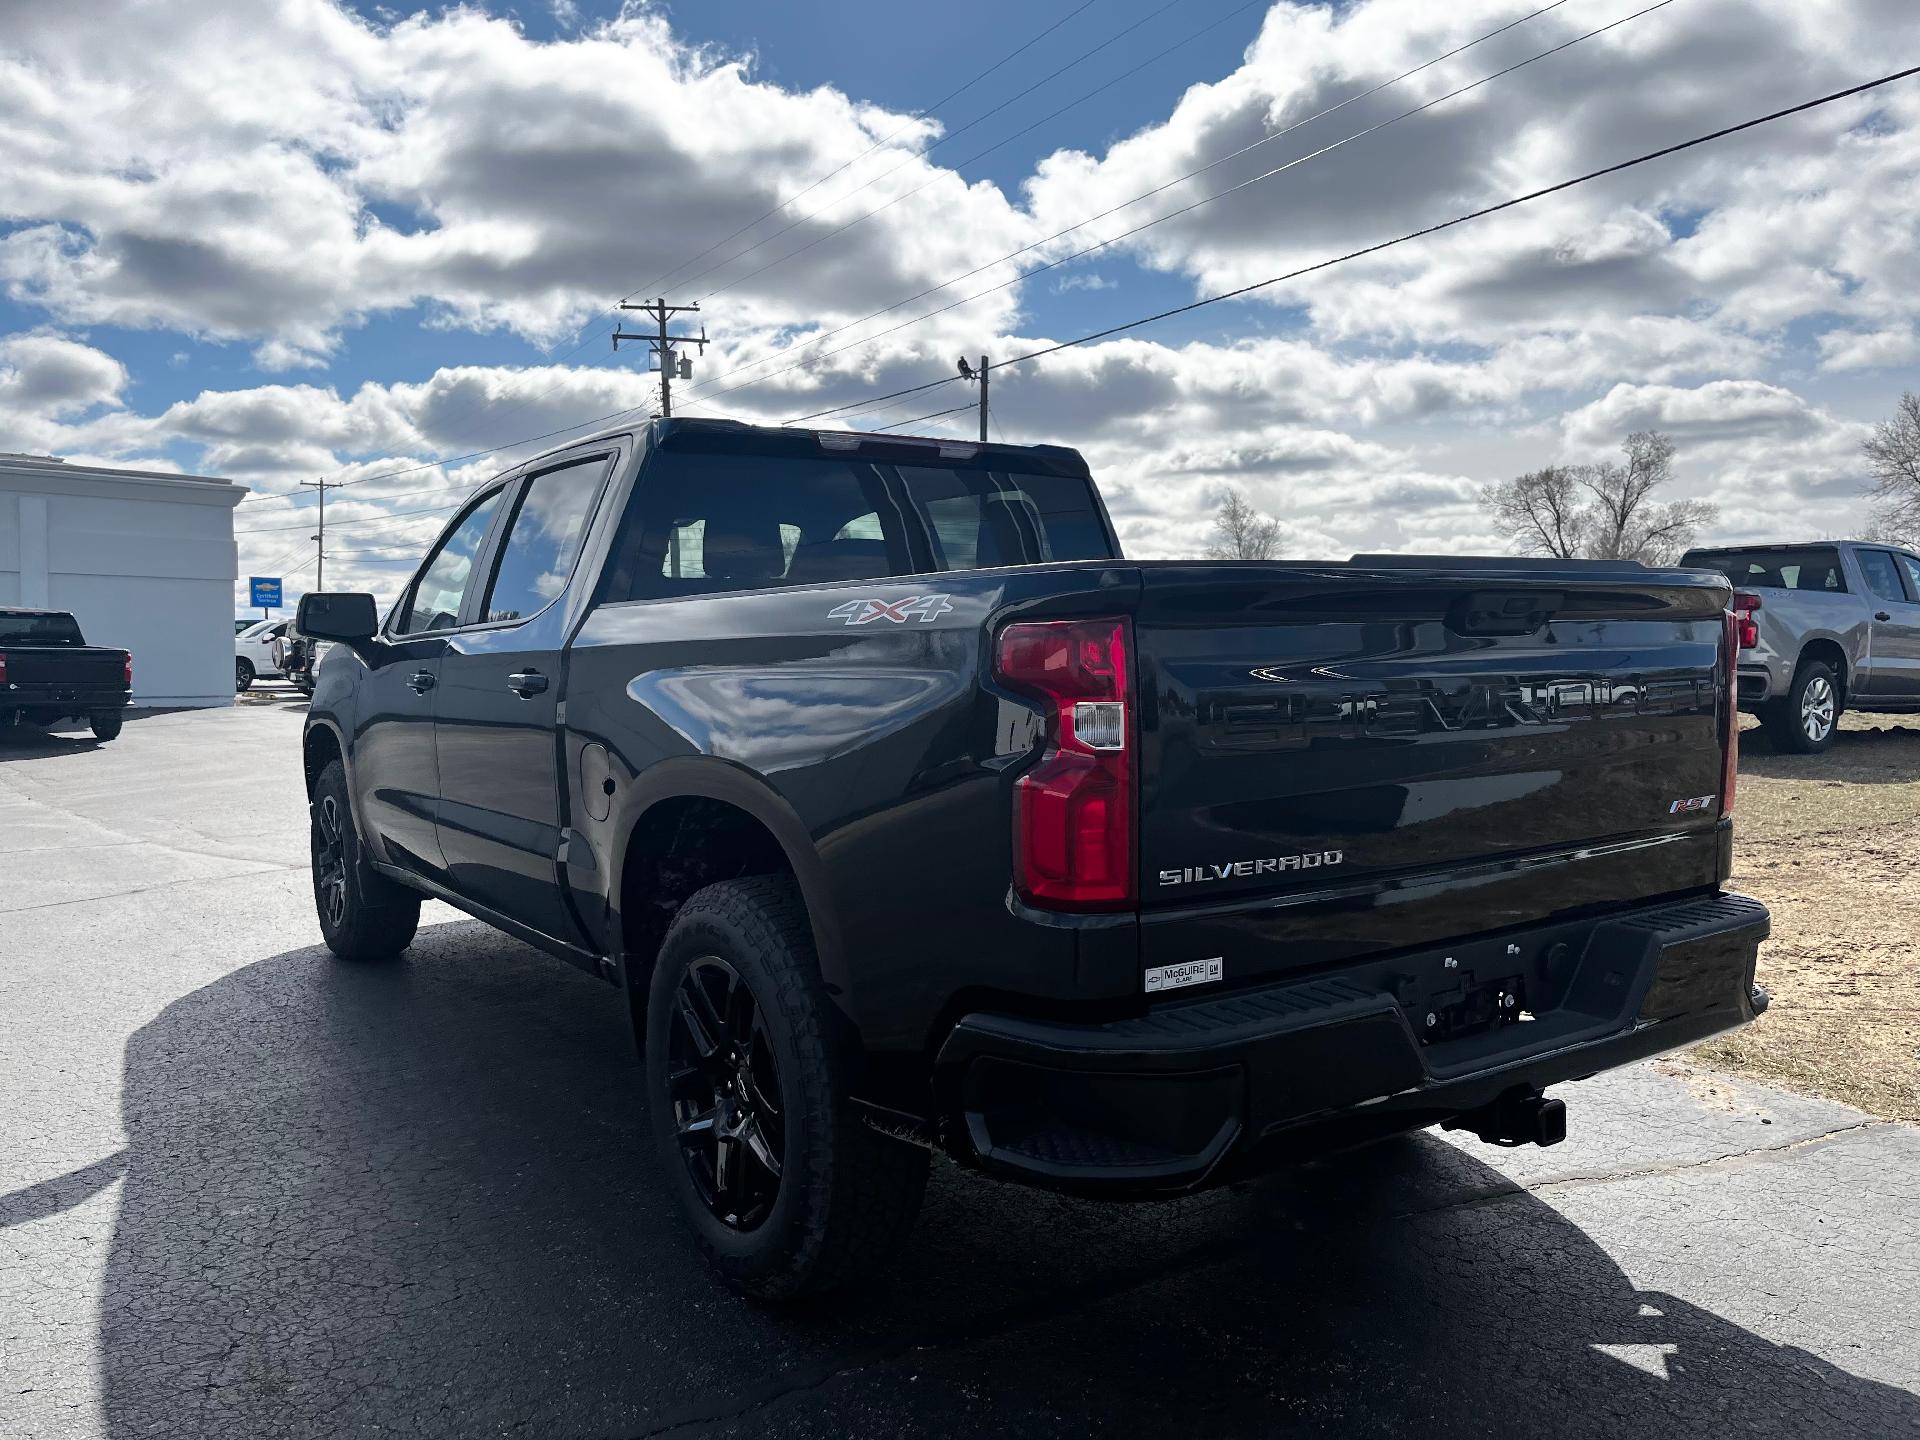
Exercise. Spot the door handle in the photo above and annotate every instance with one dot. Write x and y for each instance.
(420, 681)
(526, 683)
(1881, 615)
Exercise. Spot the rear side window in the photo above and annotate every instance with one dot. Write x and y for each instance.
(537, 556)
(54, 629)
(981, 518)
(704, 523)
(1811, 568)
(1883, 577)
(434, 603)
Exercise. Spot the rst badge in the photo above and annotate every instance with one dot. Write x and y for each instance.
(1697, 802)
(1190, 972)
(900, 612)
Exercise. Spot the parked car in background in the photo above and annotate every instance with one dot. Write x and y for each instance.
(908, 814)
(240, 625)
(1824, 628)
(253, 653)
(296, 655)
(48, 673)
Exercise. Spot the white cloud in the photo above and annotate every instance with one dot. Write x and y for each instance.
(304, 171)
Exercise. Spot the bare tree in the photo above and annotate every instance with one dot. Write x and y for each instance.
(1600, 512)
(1893, 455)
(1541, 510)
(1241, 532)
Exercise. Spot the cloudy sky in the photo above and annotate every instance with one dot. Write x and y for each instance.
(283, 239)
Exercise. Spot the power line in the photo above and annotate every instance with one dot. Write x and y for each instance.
(368, 520)
(918, 419)
(1186, 209)
(1425, 231)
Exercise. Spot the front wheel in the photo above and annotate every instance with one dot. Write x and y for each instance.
(1806, 718)
(242, 675)
(787, 1190)
(363, 915)
(106, 724)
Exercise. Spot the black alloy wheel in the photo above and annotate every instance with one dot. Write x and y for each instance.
(725, 1093)
(330, 860)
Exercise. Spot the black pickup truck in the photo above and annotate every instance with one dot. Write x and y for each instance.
(909, 816)
(48, 673)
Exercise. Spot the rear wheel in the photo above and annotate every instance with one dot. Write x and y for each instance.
(787, 1190)
(242, 675)
(106, 724)
(363, 915)
(1805, 719)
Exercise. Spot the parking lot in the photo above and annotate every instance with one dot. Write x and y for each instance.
(249, 1191)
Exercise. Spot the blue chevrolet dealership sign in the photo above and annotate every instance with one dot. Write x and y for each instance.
(266, 590)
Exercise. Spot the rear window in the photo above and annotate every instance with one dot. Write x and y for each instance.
(55, 629)
(1809, 568)
(703, 523)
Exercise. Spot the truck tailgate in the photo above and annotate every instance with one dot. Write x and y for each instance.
(1351, 737)
(64, 665)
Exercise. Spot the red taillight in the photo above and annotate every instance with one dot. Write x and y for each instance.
(1730, 712)
(1747, 627)
(129, 670)
(1073, 813)
(3, 669)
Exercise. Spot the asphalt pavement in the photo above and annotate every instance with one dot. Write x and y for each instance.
(246, 1190)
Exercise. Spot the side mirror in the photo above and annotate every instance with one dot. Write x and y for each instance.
(346, 616)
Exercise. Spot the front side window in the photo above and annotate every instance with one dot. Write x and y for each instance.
(435, 602)
(537, 557)
(1882, 577)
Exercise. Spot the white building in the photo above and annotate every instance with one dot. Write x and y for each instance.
(144, 560)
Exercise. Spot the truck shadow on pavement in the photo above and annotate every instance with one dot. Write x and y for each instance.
(417, 1197)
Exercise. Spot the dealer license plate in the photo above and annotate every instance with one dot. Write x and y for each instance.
(1189, 972)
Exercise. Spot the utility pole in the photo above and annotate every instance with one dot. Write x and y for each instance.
(984, 365)
(967, 372)
(661, 344)
(320, 572)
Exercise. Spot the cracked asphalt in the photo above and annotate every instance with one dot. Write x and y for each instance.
(247, 1191)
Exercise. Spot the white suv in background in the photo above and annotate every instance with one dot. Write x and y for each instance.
(253, 652)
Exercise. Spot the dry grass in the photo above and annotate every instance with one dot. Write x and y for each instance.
(1832, 844)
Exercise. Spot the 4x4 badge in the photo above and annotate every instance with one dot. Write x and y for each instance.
(914, 607)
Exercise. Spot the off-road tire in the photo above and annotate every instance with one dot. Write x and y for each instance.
(847, 1195)
(242, 675)
(373, 918)
(1805, 719)
(106, 724)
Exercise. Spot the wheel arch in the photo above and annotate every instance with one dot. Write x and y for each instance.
(319, 747)
(672, 817)
(1829, 652)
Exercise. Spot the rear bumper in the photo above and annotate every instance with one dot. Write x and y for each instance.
(63, 699)
(1198, 1092)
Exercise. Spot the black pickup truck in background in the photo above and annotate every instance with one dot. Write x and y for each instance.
(909, 816)
(48, 673)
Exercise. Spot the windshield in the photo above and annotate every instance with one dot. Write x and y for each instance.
(47, 629)
(1808, 567)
